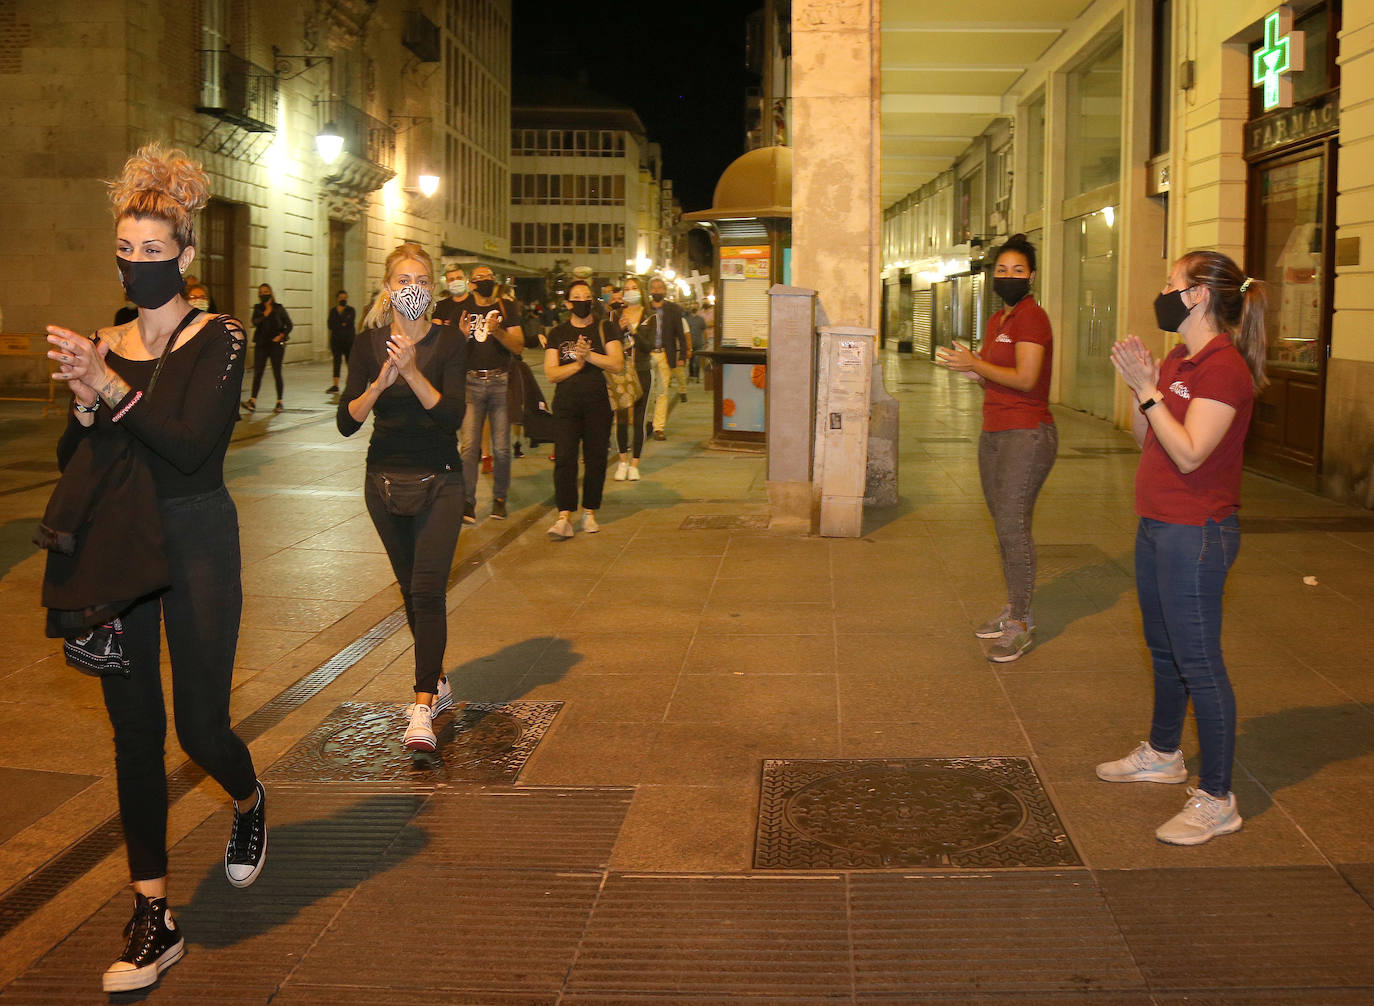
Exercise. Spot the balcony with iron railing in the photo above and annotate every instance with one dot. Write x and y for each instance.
(236, 91)
(368, 159)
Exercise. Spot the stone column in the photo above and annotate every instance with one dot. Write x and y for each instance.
(836, 137)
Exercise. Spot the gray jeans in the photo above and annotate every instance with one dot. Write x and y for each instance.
(1013, 465)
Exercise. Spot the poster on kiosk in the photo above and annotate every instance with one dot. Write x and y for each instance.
(744, 281)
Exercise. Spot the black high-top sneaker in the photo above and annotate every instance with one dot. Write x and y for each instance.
(247, 848)
(153, 944)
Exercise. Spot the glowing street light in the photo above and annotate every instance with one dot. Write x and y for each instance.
(429, 184)
(329, 143)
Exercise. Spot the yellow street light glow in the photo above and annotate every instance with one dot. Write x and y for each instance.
(329, 143)
(429, 184)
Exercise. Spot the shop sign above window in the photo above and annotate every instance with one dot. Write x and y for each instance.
(1283, 53)
(1315, 117)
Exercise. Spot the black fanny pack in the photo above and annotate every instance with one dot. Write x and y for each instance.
(406, 494)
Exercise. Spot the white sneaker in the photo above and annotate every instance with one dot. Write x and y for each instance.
(443, 698)
(633, 476)
(562, 530)
(1145, 764)
(419, 735)
(621, 471)
(589, 523)
(1202, 818)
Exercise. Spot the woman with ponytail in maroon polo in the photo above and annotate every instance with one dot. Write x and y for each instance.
(1194, 413)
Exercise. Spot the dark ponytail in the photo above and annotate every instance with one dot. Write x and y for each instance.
(1236, 305)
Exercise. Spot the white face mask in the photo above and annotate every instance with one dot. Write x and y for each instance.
(632, 297)
(458, 287)
(411, 301)
(200, 302)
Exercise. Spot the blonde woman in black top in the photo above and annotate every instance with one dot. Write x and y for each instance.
(181, 428)
(410, 374)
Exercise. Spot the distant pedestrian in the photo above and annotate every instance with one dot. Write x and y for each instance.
(630, 388)
(1193, 418)
(696, 324)
(342, 330)
(169, 382)
(671, 347)
(199, 297)
(1020, 441)
(409, 374)
(582, 351)
(271, 328)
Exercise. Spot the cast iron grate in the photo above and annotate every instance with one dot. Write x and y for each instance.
(979, 813)
(726, 522)
(361, 742)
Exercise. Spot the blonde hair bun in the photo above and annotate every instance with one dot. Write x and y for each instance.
(163, 183)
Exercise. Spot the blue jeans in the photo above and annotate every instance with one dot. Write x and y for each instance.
(1180, 575)
(486, 398)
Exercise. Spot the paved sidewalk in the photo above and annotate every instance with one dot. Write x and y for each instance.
(643, 800)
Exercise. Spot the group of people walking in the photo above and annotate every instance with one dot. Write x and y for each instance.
(161, 390)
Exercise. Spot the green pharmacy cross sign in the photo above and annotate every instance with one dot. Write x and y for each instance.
(1282, 53)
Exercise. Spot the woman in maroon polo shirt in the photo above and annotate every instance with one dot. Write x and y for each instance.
(1194, 414)
(1019, 441)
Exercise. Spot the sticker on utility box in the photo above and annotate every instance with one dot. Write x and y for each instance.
(851, 353)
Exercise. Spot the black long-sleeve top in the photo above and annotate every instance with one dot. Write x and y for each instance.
(183, 427)
(406, 435)
(266, 327)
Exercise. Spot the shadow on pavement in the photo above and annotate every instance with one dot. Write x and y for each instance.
(1292, 745)
(307, 862)
(16, 543)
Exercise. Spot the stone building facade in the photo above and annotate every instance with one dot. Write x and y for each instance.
(245, 86)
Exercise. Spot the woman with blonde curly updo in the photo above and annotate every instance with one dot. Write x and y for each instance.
(411, 375)
(170, 380)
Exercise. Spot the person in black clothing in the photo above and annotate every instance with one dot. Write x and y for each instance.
(579, 352)
(410, 373)
(271, 329)
(342, 329)
(170, 380)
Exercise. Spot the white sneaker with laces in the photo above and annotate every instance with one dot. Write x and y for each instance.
(589, 523)
(419, 735)
(443, 698)
(1145, 764)
(562, 530)
(622, 471)
(1202, 818)
(633, 476)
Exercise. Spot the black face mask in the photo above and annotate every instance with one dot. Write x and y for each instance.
(1170, 311)
(1011, 289)
(264, 297)
(150, 284)
(581, 308)
(484, 286)
(657, 298)
(343, 301)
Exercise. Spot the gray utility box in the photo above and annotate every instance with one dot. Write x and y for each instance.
(844, 386)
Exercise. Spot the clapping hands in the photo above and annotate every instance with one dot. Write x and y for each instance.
(1136, 364)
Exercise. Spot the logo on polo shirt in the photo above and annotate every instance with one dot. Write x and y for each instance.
(1002, 337)
(1180, 389)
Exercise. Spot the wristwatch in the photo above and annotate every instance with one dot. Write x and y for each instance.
(1150, 403)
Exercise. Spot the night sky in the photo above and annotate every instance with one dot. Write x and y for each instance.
(680, 66)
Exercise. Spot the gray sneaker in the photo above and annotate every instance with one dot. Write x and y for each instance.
(1145, 764)
(1014, 641)
(994, 627)
(1202, 818)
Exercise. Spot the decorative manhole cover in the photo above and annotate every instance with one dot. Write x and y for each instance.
(917, 812)
(726, 522)
(361, 741)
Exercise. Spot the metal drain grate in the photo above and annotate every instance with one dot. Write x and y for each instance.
(726, 522)
(361, 742)
(909, 813)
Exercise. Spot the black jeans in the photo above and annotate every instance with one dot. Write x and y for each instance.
(421, 552)
(634, 418)
(262, 352)
(580, 420)
(202, 607)
(339, 349)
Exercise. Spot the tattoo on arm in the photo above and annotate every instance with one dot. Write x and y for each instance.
(113, 389)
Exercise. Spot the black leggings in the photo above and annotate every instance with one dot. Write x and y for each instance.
(262, 352)
(581, 420)
(339, 349)
(624, 417)
(202, 607)
(421, 552)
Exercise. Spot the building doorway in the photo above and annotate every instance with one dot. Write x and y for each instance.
(216, 254)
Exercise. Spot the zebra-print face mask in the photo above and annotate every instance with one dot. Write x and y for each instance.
(411, 300)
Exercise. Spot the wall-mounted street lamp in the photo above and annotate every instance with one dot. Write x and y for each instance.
(428, 184)
(329, 143)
